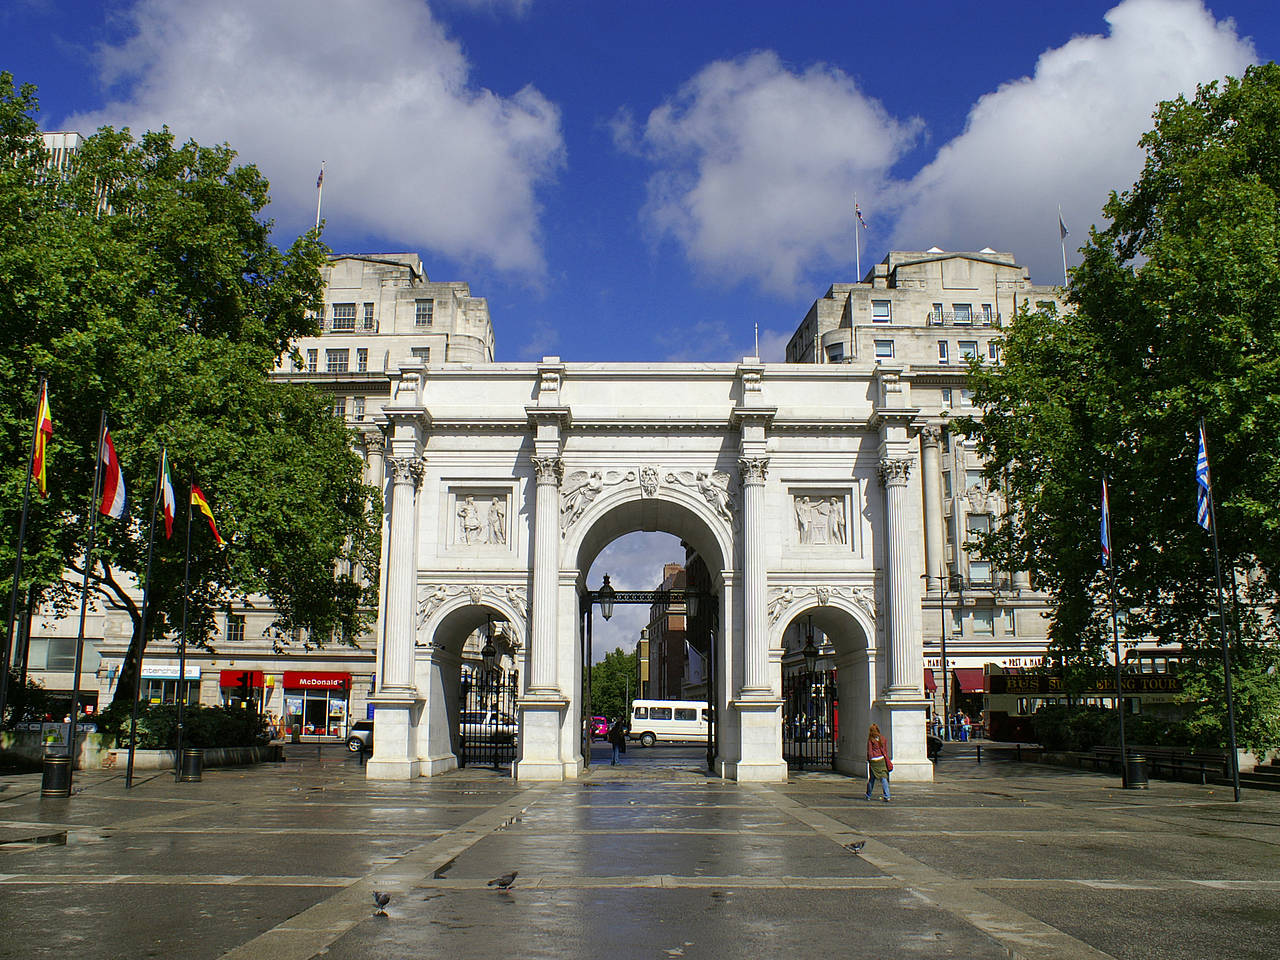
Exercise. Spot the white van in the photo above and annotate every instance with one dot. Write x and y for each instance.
(654, 720)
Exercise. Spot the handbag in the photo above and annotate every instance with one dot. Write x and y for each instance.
(888, 764)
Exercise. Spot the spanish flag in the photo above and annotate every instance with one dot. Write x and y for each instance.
(44, 433)
(198, 500)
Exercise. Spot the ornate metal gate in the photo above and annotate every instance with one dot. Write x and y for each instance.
(810, 714)
(487, 725)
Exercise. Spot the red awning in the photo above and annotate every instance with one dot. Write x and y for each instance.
(970, 679)
(236, 678)
(929, 683)
(298, 680)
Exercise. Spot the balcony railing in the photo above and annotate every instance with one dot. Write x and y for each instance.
(939, 318)
(348, 325)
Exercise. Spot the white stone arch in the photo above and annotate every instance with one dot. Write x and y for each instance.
(684, 514)
(438, 663)
(856, 658)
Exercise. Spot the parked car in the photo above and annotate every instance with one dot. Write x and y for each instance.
(599, 728)
(360, 737)
(487, 726)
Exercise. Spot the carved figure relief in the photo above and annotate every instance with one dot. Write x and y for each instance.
(648, 481)
(482, 524)
(820, 520)
(433, 596)
(780, 602)
(782, 597)
(516, 597)
(712, 485)
(581, 487)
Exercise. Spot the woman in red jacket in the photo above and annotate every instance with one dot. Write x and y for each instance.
(878, 762)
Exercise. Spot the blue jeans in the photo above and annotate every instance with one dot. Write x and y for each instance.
(617, 755)
(871, 785)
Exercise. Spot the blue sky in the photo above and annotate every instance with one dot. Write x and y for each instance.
(649, 181)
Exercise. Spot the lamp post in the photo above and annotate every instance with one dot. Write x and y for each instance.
(810, 652)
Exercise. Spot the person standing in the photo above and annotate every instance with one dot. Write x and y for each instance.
(878, 762)
(618, 738)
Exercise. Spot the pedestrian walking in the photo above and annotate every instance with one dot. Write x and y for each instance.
(878, 762)
(618, 738)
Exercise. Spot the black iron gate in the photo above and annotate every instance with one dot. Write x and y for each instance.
(810, 713)
(487, 724)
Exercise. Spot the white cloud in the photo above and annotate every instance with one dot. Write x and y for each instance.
(757, 166)
(1066, 135)
(773, 345)
(416, 153)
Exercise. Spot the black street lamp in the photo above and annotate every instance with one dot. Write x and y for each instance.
(605, 596)
(488, 652)
(810, 652)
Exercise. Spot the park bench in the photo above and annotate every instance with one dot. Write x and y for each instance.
(1177, 762)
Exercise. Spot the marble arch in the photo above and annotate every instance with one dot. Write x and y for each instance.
(797, 484)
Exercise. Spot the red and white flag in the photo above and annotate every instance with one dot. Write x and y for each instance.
(113, 497)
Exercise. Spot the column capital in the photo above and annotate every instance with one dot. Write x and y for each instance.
(548, 469)
(407, 470)
(894, 472)
(753, 470)
(931, 434)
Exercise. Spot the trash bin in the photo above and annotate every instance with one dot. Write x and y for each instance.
(55, 780)
(192, 765)
(1137, 772)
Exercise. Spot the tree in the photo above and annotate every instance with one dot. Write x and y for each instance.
(611, 680)
(1174, 316)
(142, 280)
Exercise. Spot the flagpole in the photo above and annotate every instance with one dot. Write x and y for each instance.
(319, 196)
(1222, 625)
(142, 630)
(1115, 636)
(17, 563)
(182, 641)
(857, 244)
(84, 593)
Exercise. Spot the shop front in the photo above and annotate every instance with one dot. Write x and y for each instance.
(242, 688)
(161, 681)
(316, 703)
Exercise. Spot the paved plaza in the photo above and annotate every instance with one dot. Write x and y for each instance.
(652, 859)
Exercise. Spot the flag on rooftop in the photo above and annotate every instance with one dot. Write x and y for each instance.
(198, 500)
(320, 179)
(1203, 491)
(44, 433)
(1062, 227)
(857, 212)
(167, 502)
(1106, 525)
(113, 493)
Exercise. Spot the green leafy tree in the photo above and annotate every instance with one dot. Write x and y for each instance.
(612, 679)
(1174, 316)
(141, 279)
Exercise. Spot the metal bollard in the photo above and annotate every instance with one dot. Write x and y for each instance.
(979, 754)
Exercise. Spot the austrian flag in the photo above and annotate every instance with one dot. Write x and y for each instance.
(113, 497)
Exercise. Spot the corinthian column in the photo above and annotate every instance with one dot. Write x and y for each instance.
(906, 663)
(755, 634)
(402, 576)
(546, 563)
(931, 468)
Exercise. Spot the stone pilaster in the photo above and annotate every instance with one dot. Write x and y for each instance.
(906, 664)
(931, 481)
(755, 625)
(548, 472)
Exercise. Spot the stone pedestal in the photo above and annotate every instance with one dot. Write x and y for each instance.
(903, 727)
(541, 722)
(395, 729)
(760, 729)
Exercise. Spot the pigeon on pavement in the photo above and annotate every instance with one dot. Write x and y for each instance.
(381, 899)
(504, 881)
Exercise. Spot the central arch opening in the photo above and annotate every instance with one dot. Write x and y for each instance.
(649, 669)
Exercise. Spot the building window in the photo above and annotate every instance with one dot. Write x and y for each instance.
(835, 353)
(884, 349)
(973, 478)
(966, 397)
(993, 351)
(984, 623)
(968, 349)
(340, 407)
(936, 315)
(946, 483)
(422, 312)
(946, 396)
(880, 311)
(368, 316)
(156, 690)
(980, 571)
(964, 312)
(942, 351)
(1007, 621)
(986, 314)
(335, 361)
(313, 361)
(344, 316)
(235, 627)
(421, 353)
(957, 621)
(357, 407)
(362, 360)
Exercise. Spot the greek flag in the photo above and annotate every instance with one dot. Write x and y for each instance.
(1203, 493)
(1106, 526)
